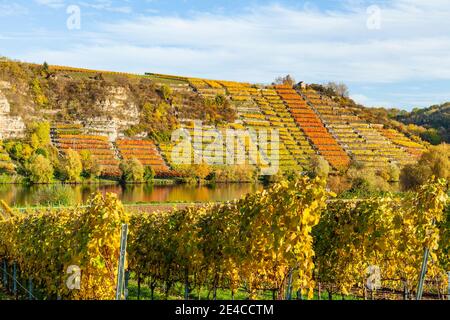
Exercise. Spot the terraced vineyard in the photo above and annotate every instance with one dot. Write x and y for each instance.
(413, 148)
(362, 141)
(294, 147)
(147, 153)
(66, 137)
(313, 128)
(250, 117)
(308, 124)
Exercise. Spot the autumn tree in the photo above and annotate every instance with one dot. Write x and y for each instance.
(435, 162)
(73, 166)
(288, 80)
(340, 88)
(132, 171)
(40, 170)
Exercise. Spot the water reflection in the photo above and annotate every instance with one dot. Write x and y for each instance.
(18, 195)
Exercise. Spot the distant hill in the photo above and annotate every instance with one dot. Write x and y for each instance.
(435, 118)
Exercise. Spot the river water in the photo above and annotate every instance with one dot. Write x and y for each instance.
(21, 196)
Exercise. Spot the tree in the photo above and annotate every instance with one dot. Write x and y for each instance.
(434, 162)
(220, 100)
(149, 174)
(432, 136)
(166, 92)
(340, 89)
(132, 171)
(91, 169)
(45, 69)
(39, 134)
(201, 171)
(288, 80)
(40, 170)
(39, 96)
(73, 166)
(19, 151)
(394, 173)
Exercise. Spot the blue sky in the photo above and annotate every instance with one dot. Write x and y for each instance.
(390, 53)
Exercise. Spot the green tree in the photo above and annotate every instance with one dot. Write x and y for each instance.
(91, 169)
(220, 99)
(45, 69)
(132, 171)
(73, 166)
(432, 136)
(40, 170)
(149, 174)
(19, 151)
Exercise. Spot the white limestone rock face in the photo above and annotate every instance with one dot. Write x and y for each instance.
(121, 114)
(10, 127)
(5, 108)
(5, 85)
(121, 110)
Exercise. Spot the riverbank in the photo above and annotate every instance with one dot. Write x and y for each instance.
(19, 180)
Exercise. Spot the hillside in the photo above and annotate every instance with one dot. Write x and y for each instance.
(435, 117)
(119, 116)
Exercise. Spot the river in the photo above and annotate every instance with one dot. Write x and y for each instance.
(22, 196)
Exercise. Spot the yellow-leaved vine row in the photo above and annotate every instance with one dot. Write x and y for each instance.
(257, 242)
(45, 244)
(388, 232)
(281, 239)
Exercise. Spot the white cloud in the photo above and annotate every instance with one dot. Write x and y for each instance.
(264, 42)
(12, 9)
(107, 5)
(55, 4)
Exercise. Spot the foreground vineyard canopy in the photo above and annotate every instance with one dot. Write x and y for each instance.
(121, 116)
(280, 240)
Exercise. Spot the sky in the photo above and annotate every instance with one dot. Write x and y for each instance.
(390, 53)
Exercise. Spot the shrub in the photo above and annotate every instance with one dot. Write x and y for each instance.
(394, 173)
(434, 162)
(132, 171)
(223, 174)
(365, 181)
(319, 167)
(57, 195)
(166, 92)
(339, 184)
(19, 151)
(195, 173)
(40, 170)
